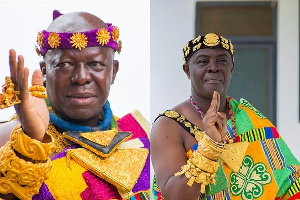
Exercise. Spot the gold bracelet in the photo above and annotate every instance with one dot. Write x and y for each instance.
(31, 148)
(199, 169)
(210, 148)
(20, 177)
(38, 91)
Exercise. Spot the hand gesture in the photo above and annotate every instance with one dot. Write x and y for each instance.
(214, 122)
(32, 111)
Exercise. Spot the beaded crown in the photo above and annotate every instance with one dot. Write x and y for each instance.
(105, 37)
(210, 40)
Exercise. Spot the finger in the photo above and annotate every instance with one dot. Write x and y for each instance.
(214, 103)
(20, 71)
(223, 118)
(13, 65)
(37, 78)
(24, 84)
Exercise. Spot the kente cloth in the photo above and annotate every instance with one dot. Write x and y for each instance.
(71, 181)
(269, 170)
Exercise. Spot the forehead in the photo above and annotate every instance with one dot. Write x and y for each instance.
(211, 52)
(83, 54)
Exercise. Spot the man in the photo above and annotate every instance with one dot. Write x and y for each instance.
(90, 158)
(214, 147)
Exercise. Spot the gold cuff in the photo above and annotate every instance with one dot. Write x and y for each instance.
(210, 148)
(20, 177)
(31, 148)
(38, 91)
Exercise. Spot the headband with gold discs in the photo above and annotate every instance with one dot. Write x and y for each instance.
(105, 37)
(210, 40)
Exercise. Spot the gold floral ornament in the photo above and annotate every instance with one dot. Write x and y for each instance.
(9, 95)
(103, 36)
(79, 40)
(54, 40)
(115, 33)
(40, 39)
(211, 40)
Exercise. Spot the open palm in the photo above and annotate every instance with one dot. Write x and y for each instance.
(32, 111)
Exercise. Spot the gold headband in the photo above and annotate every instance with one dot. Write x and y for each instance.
(210, 40)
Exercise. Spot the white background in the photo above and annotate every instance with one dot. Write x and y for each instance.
(20, 22)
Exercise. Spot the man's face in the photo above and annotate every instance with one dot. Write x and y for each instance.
(210, 70)
(78, 81)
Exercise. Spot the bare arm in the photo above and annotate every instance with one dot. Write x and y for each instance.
(168, 155)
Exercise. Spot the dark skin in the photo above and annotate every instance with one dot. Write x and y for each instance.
(78, 82)
(210, 71)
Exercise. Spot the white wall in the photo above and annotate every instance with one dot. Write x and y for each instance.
(21, 21)
(172, 25)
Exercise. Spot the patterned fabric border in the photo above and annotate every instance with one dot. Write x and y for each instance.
(223, 195)
(273, 154)
(245, 103)
(186, 124)
(295, 188)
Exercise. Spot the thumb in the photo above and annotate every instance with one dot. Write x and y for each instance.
(37, 78)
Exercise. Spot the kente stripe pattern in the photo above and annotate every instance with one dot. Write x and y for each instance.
(273, 154)
(259, 134)
(223, 195)
(295, 188)
(140, 196)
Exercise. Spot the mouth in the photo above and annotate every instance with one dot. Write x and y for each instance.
(213, 80)
(81, 99)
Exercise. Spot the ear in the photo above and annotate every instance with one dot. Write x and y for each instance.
(115, 70)
(186, 69)
(43, 67)
(232, 68)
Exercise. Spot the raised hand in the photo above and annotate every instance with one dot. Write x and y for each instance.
(32, 111)
(214, 122)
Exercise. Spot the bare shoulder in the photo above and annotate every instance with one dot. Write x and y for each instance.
(5, 130)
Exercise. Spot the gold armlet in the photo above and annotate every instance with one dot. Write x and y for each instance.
(38, 91)
(20, 177)
(31, 148)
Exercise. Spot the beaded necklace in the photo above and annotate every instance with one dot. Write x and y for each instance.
(104, 125)
(231, 115)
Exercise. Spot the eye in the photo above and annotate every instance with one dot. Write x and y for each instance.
(203, 61)
(96, 64)
(64, 65)
(222, 61)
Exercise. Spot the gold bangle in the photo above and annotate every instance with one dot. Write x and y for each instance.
(9, 95)
(38, 91)
(20, 177)
(31, 148)
(199, 169)
(210, 148)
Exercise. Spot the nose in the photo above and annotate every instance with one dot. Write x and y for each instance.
(81, 75)
(213, 68)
